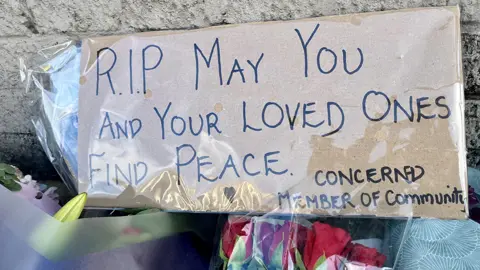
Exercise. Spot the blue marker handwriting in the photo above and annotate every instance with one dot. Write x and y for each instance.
(187, 156)
(212, 59)
(294, 115)
(131, 173)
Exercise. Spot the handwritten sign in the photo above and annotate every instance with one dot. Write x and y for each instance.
(349, 115)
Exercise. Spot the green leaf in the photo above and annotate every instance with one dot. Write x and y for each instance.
(277, 256)
(11, 185)
(222, 254)
(239, 251)
(7, 168)
(238, 257)
(10, 177)
(10, 170)
(298, 257)
(254, 265)
(319, 263)
(2, 173)
(73, 209)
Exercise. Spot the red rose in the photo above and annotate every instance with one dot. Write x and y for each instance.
(233, 228)
(363, 254)
(324, 241)
(298, 236)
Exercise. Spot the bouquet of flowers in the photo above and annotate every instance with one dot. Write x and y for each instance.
(271, 243)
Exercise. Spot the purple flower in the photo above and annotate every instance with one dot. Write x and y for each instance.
(278, 241)
(265, 239)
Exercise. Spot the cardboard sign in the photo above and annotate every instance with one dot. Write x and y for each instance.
(348, 115)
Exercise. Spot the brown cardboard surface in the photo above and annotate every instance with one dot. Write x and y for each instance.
(407, 54)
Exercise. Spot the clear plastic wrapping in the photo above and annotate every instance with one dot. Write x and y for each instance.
(53, 73)
(355, 115)
(273, 242)
(298, 242)
(57, 241)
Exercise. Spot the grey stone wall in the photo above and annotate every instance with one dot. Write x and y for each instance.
(28, 25)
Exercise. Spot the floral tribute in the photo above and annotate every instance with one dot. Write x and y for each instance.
(259, 243)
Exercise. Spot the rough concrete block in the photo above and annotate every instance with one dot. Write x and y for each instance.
(16, 110)
(472, 122)
(60, 16)
(65, 16)
(473, 158)
(14, 19)
(138, 15)
(11, 49)
(25, 152)
(10, 80)
(470, 9)
(471, 63)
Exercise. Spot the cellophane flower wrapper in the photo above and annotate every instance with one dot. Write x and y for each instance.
(307, 243)
(52, 75)
(55, 241)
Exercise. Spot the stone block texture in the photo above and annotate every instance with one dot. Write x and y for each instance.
(29, 25)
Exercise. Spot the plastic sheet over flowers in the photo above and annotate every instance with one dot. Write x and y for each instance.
(273, 242)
